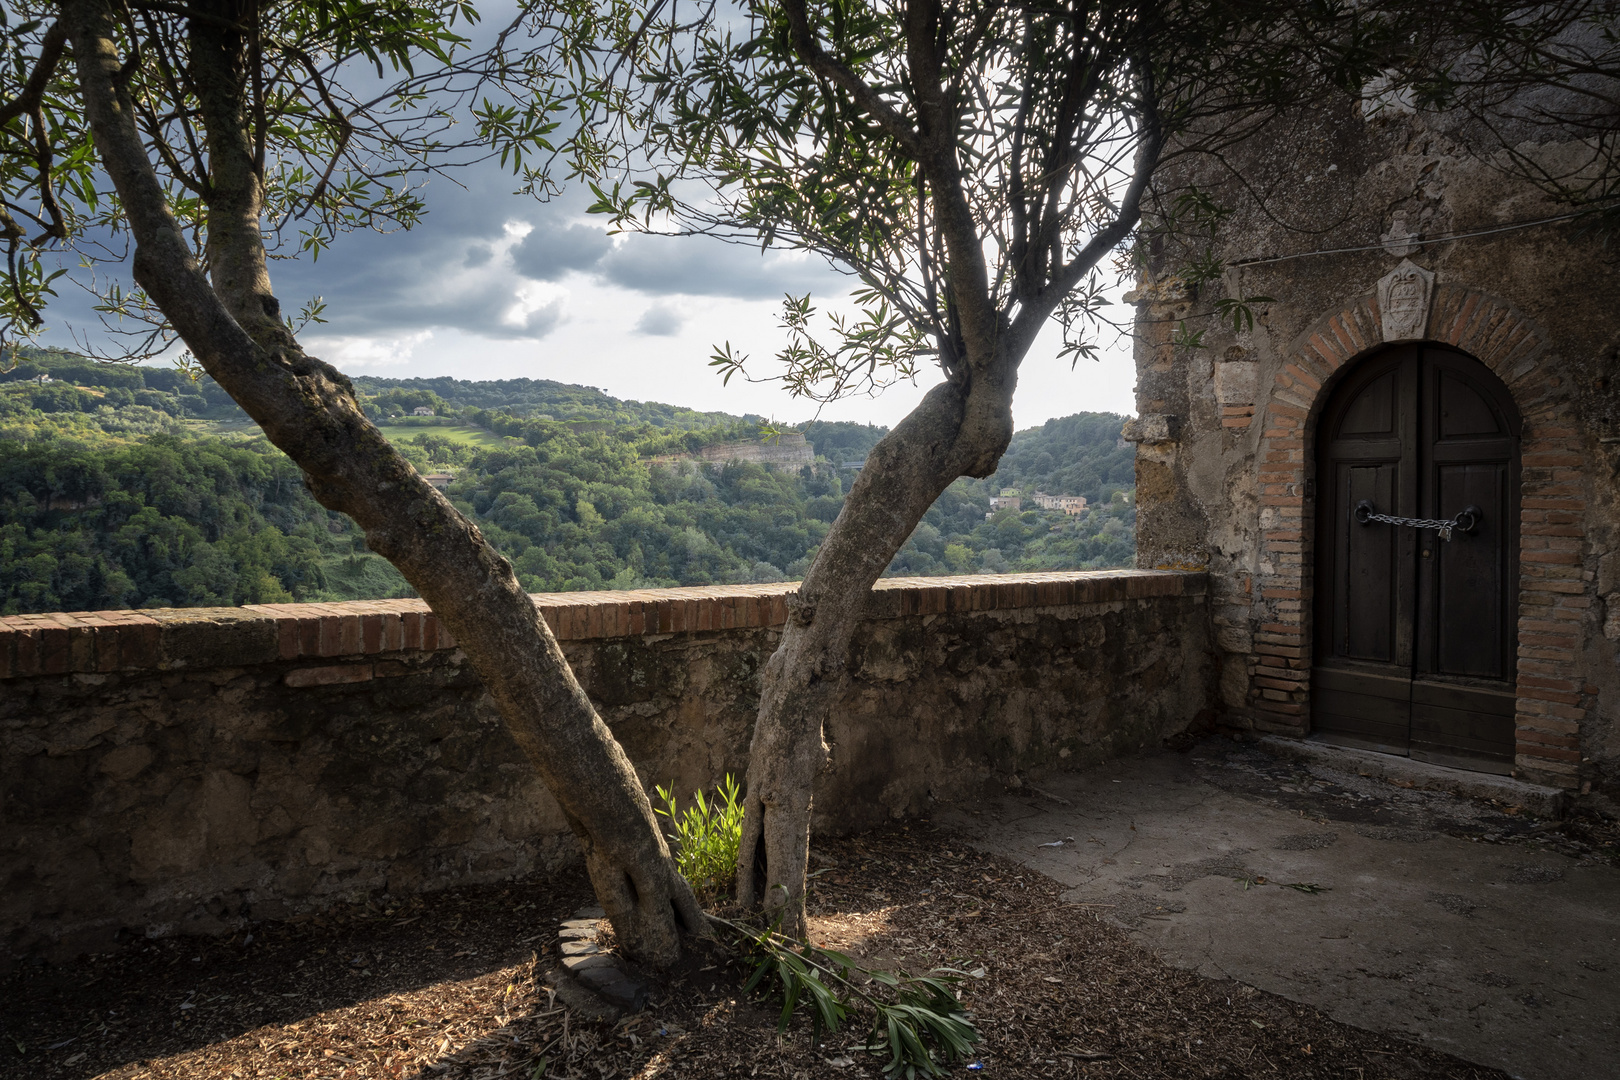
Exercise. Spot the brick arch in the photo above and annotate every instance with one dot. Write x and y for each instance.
(1550, 591)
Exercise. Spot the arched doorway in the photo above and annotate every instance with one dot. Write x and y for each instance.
(1415, 634)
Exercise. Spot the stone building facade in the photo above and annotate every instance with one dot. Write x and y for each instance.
(1383, 238)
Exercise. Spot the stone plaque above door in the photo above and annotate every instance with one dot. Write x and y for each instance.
(1403, 301)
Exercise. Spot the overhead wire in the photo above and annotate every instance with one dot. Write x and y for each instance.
(1415, 241)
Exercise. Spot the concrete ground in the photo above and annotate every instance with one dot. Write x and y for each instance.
(1457, 922)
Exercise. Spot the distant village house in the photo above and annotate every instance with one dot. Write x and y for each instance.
(1069, 504)
(421, 410)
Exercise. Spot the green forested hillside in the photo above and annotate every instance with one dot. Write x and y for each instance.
(1072, 455)
(125, 487)
(534, 398)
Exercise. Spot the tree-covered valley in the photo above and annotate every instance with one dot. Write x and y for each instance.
(139, 487)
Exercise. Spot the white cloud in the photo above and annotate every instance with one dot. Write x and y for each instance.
(368, 355)
(536, 308)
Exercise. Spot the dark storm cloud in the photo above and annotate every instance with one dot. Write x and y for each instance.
(449, 272)
(443, 273)
(550, 250)
(699, 266)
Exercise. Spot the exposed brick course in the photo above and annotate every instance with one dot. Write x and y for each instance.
(59, 643)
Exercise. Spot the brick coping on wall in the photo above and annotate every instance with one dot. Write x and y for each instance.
(60, 643)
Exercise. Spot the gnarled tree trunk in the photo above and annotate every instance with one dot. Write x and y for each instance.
(233, 326)
(960, 429)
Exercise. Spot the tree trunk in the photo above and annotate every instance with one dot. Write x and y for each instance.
(955, 431)
(308, 409)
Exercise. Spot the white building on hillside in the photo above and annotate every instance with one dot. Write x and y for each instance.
(1069, 504)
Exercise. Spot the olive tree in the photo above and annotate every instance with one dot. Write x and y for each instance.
(190, 131)
(976, 166)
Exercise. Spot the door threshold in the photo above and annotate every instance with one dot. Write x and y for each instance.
(1548, 802)
(1446, 759)
(1334, 738)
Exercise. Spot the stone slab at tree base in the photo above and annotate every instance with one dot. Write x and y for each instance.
(1547, 802)
(594, 983)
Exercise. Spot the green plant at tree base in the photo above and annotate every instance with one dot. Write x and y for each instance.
(706, 836)
(918, 1019)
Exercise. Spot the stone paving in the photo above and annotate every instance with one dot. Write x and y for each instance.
(1460, 923)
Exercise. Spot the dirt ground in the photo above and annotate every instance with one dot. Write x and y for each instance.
(451, 985)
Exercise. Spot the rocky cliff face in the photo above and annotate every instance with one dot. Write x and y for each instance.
(789, 449)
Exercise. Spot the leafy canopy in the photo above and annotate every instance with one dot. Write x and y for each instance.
(350, 105)
(970, 162)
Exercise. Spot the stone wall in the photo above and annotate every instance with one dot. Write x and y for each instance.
(1226, 431)
(184, 770)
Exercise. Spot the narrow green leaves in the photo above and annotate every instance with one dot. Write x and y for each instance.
(918, 1022)
(706, 836)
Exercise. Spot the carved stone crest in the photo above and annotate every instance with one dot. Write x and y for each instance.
(1403, 301)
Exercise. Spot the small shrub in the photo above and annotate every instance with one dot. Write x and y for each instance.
(706, 836)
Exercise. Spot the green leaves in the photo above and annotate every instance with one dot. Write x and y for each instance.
(798, 978)
(728, 362)
(971, 177)
(333, 152)
(1238, 311)
(926, 1014)
(917, 1021)
(706, 836)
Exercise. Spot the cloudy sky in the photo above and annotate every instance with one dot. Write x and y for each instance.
(495, 285)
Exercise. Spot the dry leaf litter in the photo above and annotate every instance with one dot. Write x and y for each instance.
(452, 985)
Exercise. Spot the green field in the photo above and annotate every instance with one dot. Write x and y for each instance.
(461, 434)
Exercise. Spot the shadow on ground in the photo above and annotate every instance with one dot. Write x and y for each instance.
(452, 986)
(149, 1000)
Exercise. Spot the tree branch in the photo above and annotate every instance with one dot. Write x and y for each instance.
(836, 71)
(1065, 279)
(33, 91)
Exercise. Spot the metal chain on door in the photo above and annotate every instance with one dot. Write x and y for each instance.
(1467, 520)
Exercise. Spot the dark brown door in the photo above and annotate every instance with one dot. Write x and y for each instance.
(1415, 634)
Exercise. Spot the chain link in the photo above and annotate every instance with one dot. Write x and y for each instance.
(1366, 515)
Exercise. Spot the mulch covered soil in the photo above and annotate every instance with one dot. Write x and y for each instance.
(452, 985)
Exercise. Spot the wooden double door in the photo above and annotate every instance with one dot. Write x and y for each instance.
(1416, 634)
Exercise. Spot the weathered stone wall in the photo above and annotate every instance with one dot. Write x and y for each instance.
(181, 770)
(1226, 461)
